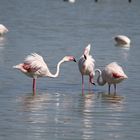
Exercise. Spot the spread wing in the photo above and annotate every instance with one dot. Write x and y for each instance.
(34, 62)
(87, 49)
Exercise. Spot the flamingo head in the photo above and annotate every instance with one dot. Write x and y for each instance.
(69, 58)
(122, 40)
(19, 66)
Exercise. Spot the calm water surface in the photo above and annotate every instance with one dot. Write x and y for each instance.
(54, 28)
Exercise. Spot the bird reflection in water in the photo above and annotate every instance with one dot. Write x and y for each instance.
(32, 103)
(2, 41)
(2, 47)
(38, 107)
(125, 53)
(33, 109)
(88, 109)
(110, 97)
(113, 115)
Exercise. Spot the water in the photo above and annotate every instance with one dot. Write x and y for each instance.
(54, 28)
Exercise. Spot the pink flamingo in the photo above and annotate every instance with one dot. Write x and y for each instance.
(86, 66)
(112, 74)
(34, 67)
(122, 40)
(3, 29)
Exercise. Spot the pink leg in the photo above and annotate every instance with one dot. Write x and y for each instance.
(82, 85)
(34, 87)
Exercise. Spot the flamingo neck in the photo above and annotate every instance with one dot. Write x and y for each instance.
(57, 71)
(100, 80)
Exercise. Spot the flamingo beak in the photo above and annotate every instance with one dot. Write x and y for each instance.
(94, 84)
(85, 56)
(71, 58)
(74, 60)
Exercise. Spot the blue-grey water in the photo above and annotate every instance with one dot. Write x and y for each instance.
(54, 28)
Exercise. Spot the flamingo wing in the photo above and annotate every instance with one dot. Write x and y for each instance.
(87, 50)
(116, 75)
(116, 70)
(34, 62)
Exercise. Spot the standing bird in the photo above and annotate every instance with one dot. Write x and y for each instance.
(122, 40)
(86, 66)
(112, 74)
(34, 67)
(3, 29)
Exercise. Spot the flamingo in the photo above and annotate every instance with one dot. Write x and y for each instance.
(34, 66)
(112, 74)
(86, 66)
(70, 1)
(122, 40)
(3, 29)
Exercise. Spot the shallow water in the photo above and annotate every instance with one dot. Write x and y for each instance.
(54, 28)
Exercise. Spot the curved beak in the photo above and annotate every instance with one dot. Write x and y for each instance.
(94, 84)
(74, 60)
(85, 56)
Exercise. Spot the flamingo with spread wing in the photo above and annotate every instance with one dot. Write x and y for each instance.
(34, 66)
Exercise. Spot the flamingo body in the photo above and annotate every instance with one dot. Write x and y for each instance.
(112, 74)
(122, 40)
(34, 66)
(86, 66)
(3, 29)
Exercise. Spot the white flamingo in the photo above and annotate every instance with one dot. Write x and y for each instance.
(112, 74)
(34, 67)
(70, 1)
(3, 29)
(86, 66)
(122, 40)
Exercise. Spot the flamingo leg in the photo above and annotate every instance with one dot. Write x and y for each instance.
(34, 86)
(82, 84)
(115, 89)
(109, 89)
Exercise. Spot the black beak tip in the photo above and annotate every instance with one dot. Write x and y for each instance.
(94, 84)
(74, 60)
(85, 57)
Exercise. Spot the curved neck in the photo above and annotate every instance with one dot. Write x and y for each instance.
(100, 80)
(58, 69)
